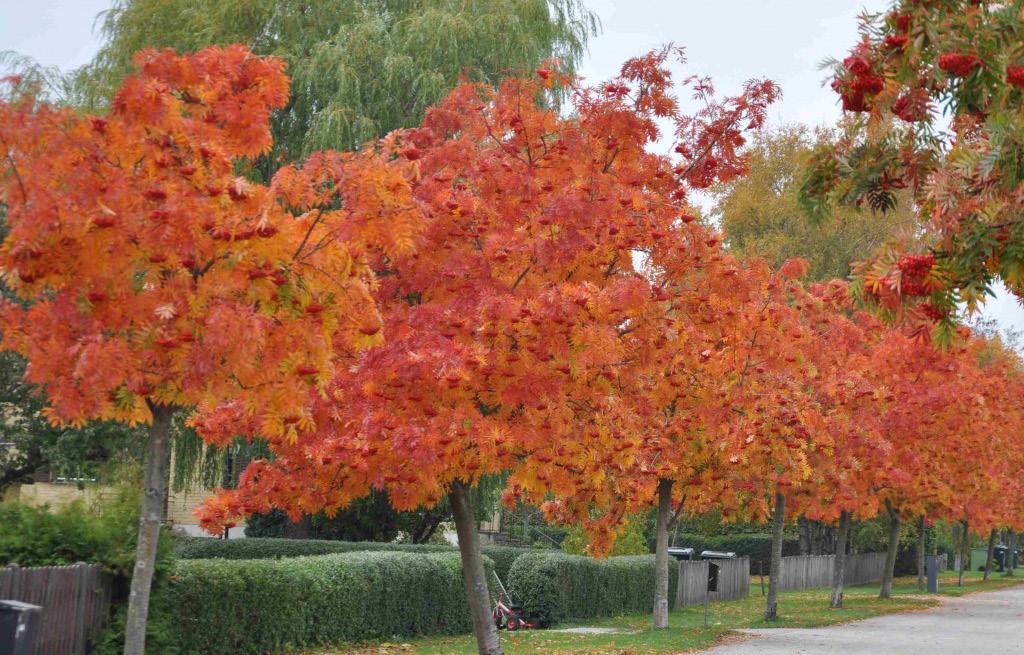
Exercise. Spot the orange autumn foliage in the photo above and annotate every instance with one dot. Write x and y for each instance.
(152, 273)
(509, 335)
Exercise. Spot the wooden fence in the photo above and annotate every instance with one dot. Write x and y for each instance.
(810, 571)
(733, 581)
(75, 601)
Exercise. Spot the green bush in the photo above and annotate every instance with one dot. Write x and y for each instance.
(104, 534)
(260, 606)
(273, 548)
(269, 548)
(755, 546)
(556, 586)
(503, 558)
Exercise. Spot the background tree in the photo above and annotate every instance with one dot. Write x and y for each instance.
(762, 216)
(360, 68)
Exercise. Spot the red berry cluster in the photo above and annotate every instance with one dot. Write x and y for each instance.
(959, 64)
(914, 269)
(1015, 75)
(933, 312)
(856, 88)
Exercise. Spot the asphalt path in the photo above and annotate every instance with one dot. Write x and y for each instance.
(987, 622)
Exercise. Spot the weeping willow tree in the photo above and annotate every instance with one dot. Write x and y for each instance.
(359, 68)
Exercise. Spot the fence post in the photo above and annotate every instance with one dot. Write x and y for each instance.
(13, 578)
(82, 569)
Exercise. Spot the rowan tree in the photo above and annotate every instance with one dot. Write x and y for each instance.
(961, 58)
(154, 279)
(507, 334)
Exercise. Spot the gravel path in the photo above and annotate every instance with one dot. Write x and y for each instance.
(989, 622)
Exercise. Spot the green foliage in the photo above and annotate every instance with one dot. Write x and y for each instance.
(368, 519)
(762, 216)
(755, 546)
(360, 68)
(268, 548)
(503, 558)
(265, 548)
(261, 606)
(104, 534)
(630, 542)
(556, 586)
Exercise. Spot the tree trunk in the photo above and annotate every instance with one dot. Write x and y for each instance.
(890, 553)
(803, 531)
(473, 571)
(920, 552)
(990, 555)
(771, 609)
(839, 563)
(965, 543)
(661, 555)
(1011, 552)
(149, 529)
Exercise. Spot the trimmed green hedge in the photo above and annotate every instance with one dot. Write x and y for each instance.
(260, 606)
(503, 558)
(277, 548)
(755, 546)
(556, 586)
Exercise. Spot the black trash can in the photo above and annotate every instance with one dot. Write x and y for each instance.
(19, 627)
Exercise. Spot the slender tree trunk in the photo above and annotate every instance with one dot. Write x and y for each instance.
(803, 531)
(965, 543)
(890, 553)
(661, 555)
(1011, 553)
(149, 529)
(920, 552)
(990, 555)
(473, 571)
(839, 563)
(771, 609)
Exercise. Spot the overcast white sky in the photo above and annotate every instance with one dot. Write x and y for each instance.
(730, 40)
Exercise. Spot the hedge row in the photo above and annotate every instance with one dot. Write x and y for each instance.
(277, 548)
(555, 586)
(259, 606)
(755, 546)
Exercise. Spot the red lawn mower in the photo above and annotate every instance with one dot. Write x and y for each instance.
(509, 615)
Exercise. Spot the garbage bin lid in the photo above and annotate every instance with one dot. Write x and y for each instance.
(681, 552)
(717, 554)
(18, 606)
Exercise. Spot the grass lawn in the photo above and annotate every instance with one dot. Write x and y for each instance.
(798, 609)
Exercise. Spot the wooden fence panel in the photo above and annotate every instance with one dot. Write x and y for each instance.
(733, 581)
(813, 571)
(75, 601)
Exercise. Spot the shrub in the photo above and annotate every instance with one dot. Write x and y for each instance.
(503, 557)
(556, 586)
(260, 606)
(271, 548)
(203, 548)
(103, 534)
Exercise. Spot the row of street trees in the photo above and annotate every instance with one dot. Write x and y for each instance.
(505, 289)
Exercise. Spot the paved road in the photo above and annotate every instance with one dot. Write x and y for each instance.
(989, 622)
